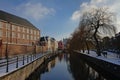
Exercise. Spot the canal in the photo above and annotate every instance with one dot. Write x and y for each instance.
(67, 67)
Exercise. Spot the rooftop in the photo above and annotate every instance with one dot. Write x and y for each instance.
(15, 19)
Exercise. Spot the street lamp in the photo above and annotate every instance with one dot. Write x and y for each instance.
(6, 54)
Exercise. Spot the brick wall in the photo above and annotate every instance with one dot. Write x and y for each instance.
(15, 49)
(16, 34)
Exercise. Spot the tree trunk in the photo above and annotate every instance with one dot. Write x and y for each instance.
(87, 47)
(97, 43)
(83, 50)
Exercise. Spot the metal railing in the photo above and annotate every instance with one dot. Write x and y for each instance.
(9, 64)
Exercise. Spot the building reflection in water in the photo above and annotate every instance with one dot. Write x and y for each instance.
(77, 69)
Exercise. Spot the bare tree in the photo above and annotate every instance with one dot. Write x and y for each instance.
(80, 38)
(99, 21)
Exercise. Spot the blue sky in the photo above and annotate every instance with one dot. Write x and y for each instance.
(55, 18)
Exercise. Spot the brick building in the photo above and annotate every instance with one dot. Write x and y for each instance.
(16, 32)
(60, 45)
(48, 44)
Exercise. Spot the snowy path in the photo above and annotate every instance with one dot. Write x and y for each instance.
(111, 57)
(13, 63)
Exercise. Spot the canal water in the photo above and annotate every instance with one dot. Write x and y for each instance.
(66, 67)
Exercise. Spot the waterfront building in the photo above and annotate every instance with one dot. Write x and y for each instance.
(16, 33)
(65, 43)
(60, 45)
(48, 44)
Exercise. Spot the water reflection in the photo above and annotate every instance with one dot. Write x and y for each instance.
(65, 67)
(82, 71)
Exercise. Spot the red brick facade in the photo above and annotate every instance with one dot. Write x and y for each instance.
(19, 38)
(15, 49)
(17, 34)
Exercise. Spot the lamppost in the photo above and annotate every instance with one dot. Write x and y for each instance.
(42, 47)
(35, 50)
(1, 47)
(42, 44)
(6, 55)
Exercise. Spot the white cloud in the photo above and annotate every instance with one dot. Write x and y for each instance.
(85, 6)
(76, 15)
(113, 5)
(35, 10)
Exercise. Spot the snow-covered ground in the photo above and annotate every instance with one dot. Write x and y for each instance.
(111, 57)
(12, 66)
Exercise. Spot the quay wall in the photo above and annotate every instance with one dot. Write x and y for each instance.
(110, 68)
(24, 72)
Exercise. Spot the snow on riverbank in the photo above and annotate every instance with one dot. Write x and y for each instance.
(111, 57)
(12, 66)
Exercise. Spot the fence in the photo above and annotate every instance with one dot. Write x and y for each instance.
(9, 64)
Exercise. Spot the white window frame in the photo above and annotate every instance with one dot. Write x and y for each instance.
(19, 35)
(13, 27)
(34, 37)
(31, 31)
(13, 35)
(23, 36)
(1, 33)
(18, 28)
(38, 33)
(1, 24)
(28, 37)
(7, 26)
(7, 33)
(23, 29)
(38, 37)
(34, 32)
(31, 37)
(27, 30)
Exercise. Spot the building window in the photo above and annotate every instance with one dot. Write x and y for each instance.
(18, 35)
(8, 26)
(38, 33)
(23, 29)
(28, 37)
(31, 31)
(27, 30)
(23, 36)
(34, 32)
(7, 33)
(18, 28)
(37, 37)
(13, 28)
(34, 37)
(0, 33)
(1, 25)
(13, 35)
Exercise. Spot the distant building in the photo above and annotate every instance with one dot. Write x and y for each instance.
(48, 44)
(56, 45)
(16, 31)
(65, 43)
(60, 45)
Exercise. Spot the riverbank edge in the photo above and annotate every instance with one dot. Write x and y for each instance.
(108, 67)
(23, 72)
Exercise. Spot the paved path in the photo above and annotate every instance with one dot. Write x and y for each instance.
(111, 57)
(17, 62)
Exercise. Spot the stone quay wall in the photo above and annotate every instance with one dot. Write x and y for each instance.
(110, 68)
(23, 72)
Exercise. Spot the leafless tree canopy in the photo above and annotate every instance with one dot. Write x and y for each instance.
(94, 23)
